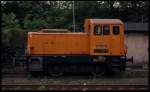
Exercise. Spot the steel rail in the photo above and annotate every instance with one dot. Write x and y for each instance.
(83, 87)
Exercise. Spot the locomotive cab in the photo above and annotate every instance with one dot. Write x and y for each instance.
(106, 37)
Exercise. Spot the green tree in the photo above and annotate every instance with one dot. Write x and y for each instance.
(34, 24)
(9, 26)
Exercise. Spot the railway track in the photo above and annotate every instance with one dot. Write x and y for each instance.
(83, 87)
(20, 74)
(130, 73)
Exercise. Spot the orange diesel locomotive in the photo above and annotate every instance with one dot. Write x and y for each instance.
(98, 49)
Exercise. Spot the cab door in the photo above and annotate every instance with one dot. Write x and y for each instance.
(116, 41)
(100, 40)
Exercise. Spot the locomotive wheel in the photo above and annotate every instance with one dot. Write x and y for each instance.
(56, 70)
(98, 71)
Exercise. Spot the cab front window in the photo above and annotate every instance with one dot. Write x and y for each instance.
(97, 30)
(106, 30)
(115, 30)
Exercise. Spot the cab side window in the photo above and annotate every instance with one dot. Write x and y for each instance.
(106, 30)
(116, 30)
(97, 30)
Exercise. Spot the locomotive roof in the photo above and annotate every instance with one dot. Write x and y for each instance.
(106, 21)
(68, 33)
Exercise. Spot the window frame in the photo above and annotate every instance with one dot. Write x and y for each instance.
(89, 27)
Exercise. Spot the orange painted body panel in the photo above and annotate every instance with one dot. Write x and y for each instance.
(79, 43)
(59, 43)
